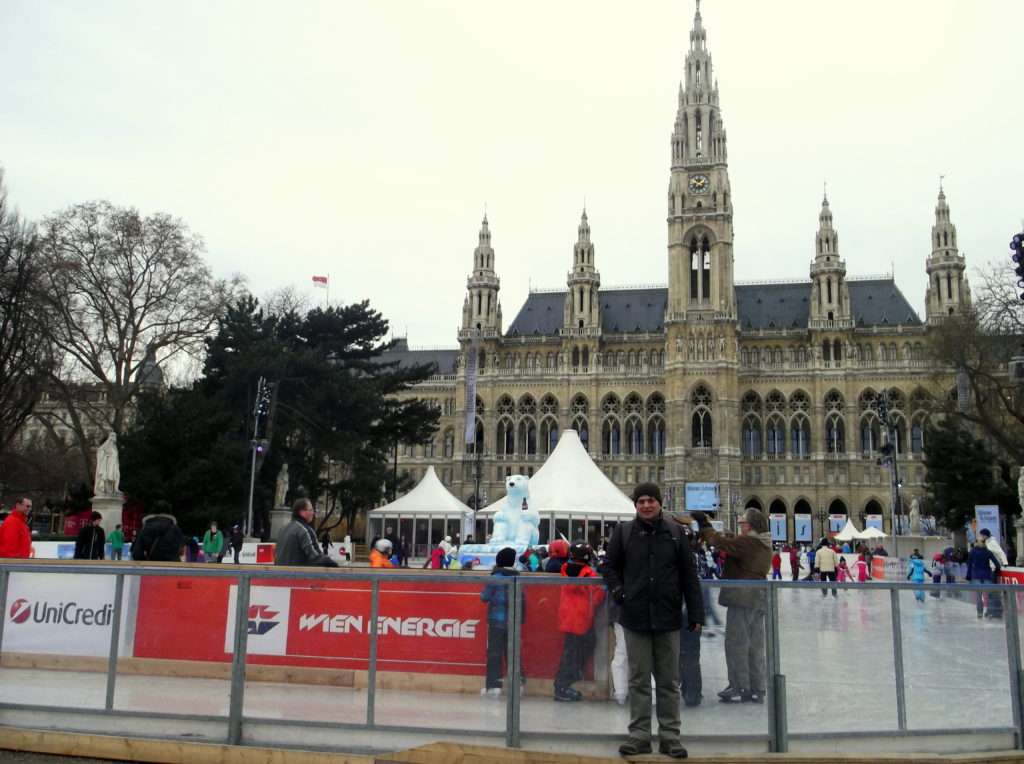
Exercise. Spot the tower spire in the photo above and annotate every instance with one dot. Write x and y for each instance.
(948, 291)
(481, 311)
(830, 301)
(582, 306)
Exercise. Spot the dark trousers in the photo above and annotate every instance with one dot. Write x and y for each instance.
(236, 550)
(575, 651)
(795, 569)
(691, 683)
(497, 647)
(828, 575)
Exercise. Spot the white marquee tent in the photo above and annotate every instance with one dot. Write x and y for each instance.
(575, 499)
(422, 517)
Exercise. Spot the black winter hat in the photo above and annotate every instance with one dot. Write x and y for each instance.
(506, 558)
(646, 489)
(580, 551)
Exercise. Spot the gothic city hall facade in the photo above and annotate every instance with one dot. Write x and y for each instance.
(764, 393)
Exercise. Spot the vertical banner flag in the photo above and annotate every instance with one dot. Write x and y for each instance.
(987, 516)
(471, 373)
(802, 527)
(320, 282)
(836, 523)
(778, 526)
(873, 521)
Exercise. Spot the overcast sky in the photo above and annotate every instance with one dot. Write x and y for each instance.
(363, 139)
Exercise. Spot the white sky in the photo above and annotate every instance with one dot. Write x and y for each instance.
(364, 138)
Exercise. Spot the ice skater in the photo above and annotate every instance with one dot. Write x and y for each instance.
(983, 568)
(916, 575)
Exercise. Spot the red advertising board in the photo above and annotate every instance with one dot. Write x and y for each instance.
(422, 628)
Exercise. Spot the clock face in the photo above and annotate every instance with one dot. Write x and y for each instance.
(699, 184)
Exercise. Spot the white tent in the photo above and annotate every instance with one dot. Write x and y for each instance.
(424, 516)
(849, 532)
(872, 533)
(575, 499)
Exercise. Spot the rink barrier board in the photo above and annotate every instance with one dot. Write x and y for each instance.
(534, 582)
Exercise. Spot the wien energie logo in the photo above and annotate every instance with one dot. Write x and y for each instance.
(261, 619)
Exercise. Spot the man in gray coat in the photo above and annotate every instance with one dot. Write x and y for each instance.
(297, 544)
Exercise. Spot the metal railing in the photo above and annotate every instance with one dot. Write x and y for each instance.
(776, 735)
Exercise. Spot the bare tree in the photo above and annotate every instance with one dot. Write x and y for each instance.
(25, 356)
(978, 347)
(125, 292)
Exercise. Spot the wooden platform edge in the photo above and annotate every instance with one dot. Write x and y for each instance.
(159, 751)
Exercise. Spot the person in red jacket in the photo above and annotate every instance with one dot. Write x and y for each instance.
(576, 608)
(794, 562)
(15, 536)
(776, 565)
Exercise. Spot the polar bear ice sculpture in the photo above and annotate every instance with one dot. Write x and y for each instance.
(515, 522)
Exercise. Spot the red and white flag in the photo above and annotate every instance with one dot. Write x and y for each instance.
(320, 281)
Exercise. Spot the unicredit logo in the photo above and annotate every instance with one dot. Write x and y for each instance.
(68, 613)
(20, 611)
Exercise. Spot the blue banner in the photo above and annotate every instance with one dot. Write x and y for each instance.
(778, 527)
(702, 496)
(873, 521)
(802, 527)
(987, 516)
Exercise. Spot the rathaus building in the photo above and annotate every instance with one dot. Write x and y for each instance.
(765, 391)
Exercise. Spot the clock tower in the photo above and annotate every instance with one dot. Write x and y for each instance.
(700, 261)
(701, 372)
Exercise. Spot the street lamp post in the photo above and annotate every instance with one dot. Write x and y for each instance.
(889, 459)
(260, 410)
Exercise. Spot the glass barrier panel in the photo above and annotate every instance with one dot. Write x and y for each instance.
(178, 640)
(437, 641)
(567, 646)
(728, 663)
(836, 652)
(955, 659)
(56, 639)
(308, 648)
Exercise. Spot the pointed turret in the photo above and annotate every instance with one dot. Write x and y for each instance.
(830, 297)
(948, 291)
(699, 197)
(582, 305)
(481, 312)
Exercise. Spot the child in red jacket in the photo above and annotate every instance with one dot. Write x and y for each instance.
(576, 608)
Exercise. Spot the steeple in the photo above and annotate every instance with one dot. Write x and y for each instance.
(480, 310)
(830, 297)
(699, 197)
(582, 305)
(948, 292)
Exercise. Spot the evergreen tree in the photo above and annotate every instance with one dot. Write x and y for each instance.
(963, 471)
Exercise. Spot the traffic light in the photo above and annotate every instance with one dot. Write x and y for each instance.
(1017, 246)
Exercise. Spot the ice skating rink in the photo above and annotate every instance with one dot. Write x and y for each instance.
(836, 654)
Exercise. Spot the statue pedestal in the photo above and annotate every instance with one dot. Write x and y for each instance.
(485, 553)
(111, 507)
(279, 518)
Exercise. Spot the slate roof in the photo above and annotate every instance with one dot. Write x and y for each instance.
(876, 302)
(443, 359)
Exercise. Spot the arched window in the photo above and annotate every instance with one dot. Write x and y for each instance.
(611, 437)
(634, 437)
(800, 435)
(870, 435)
(656, 436)
(575, 357)
(586, 357)
(581, 427)
(705, 247)
(751, 437)
(917, 437)
(526, 443)
(775, 437)
(701, 430)
(548, 435)
(694, 269)
(835, 434)
(505, 441)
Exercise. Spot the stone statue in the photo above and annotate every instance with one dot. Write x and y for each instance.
(281, 487)
(915, 518)
(108, 468)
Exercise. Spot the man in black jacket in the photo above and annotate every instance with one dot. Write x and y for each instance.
(160, 539)
(650, 571)
(91, 540)
(297, 544)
